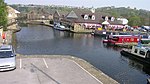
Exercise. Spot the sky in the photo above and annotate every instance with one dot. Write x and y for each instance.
(139, 4)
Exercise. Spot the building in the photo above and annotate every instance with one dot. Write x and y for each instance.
(84, 19)
(12, 15)
(58, 16)
(80, 19)
(39, 14)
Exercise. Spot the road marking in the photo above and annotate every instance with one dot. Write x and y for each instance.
(20, 63)
(45, 63)
(88, 72)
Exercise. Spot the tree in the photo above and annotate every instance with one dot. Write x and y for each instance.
(3, 14)
(135, 21)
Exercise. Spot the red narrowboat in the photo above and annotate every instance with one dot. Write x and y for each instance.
(121, 39)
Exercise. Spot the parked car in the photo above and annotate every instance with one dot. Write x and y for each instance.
(147, 28)
(142, 29)
(7, 58)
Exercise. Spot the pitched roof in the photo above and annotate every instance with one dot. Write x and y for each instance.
(10, 9)
(72, 14)
(60, 14)
(77, 15)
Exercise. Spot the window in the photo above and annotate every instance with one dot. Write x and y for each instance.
(115, 38)
(142, 52)
(93, 17)
(112, 18)
(106, 18)
(148, 54)
(135, 51)
(85, 17)
(90, 16)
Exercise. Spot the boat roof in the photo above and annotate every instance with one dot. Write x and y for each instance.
(123, 35)
(142, 47)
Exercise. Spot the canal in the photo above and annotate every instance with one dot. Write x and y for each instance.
(36, 39)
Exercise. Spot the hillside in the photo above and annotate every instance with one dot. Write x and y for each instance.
(136, 17)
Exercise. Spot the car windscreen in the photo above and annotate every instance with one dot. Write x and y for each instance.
(6, 54)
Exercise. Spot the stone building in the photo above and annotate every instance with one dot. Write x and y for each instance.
(39, 14)
(12, 15)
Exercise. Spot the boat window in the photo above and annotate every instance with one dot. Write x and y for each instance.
(135, 51)
(115, 38)
(148, 54)
(142, 52)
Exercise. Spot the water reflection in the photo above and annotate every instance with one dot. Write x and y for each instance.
(112, 47)
(141, 66)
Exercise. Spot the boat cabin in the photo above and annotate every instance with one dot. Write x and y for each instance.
(143, 52)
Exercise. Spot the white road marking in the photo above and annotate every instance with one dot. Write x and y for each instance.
(20, 63)
(88, 73)
(45, 63)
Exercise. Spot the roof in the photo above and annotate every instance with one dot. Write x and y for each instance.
(115, 22)
(12, 9)
(60, 13)
(6, 48)
(105, 22)
(72, 14)
(77, 15)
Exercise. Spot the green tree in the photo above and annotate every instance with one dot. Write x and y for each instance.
(3, 14)
(135, 21)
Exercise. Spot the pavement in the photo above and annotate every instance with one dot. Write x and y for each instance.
(48, 71)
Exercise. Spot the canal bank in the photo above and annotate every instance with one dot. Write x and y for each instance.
(83, 72)
(81, 31)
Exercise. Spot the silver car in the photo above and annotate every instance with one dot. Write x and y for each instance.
(7, 58)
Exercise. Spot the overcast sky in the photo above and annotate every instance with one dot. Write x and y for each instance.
(139, 4)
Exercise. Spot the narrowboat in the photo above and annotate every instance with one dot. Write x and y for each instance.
(140, 53)
(60, 27)
(104, 33)
(121, 39)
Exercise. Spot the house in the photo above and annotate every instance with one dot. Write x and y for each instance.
(39, 14)
(83, 19)
(115, 23)
(12, 15)
(58, 16)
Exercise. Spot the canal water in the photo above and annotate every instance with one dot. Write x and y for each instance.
(36, 39)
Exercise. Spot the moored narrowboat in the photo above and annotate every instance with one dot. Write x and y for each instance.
(140, 53)
(121, 39)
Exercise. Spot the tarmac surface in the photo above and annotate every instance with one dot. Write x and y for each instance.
(49, 71)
